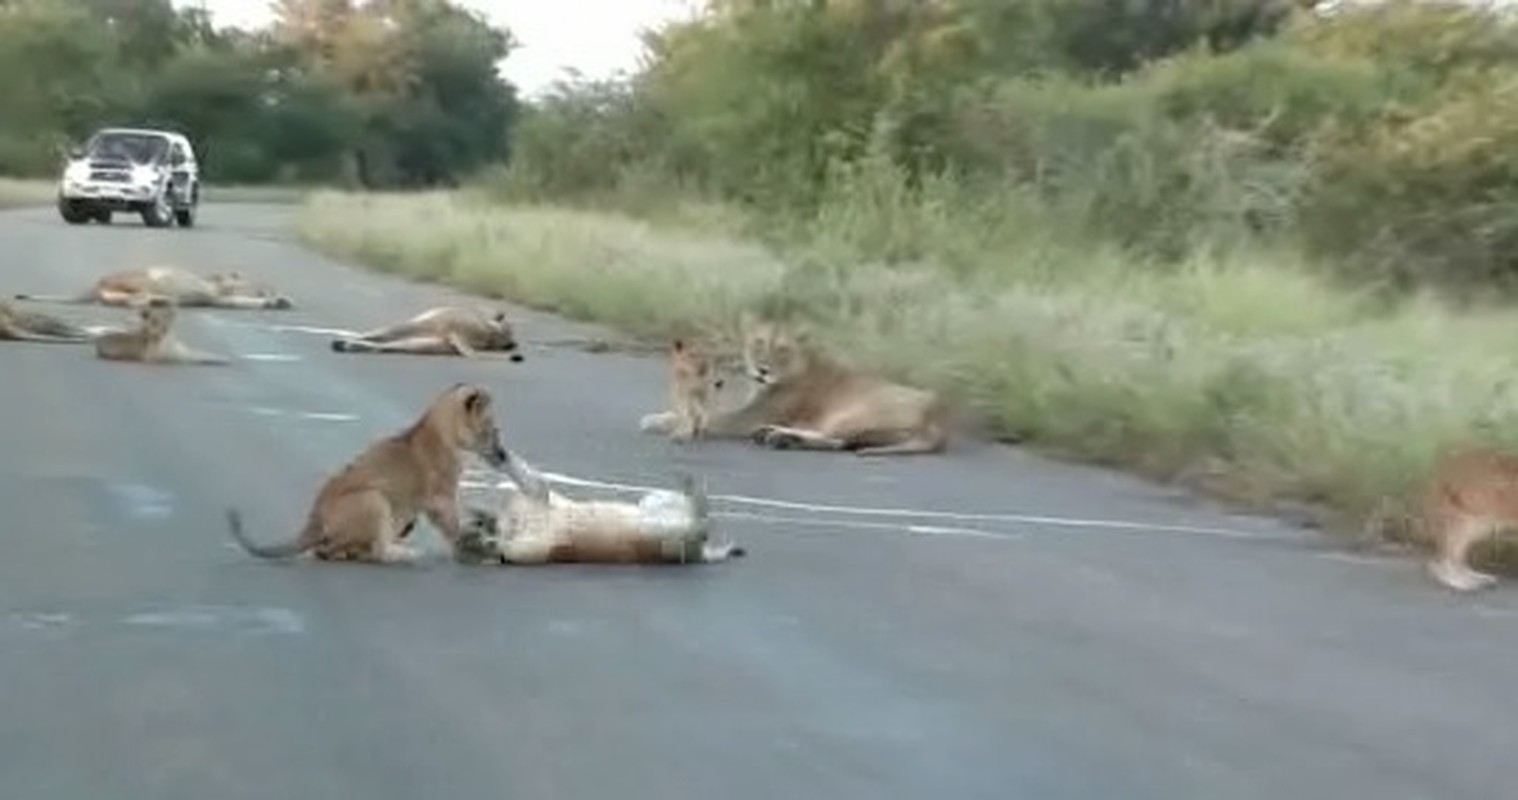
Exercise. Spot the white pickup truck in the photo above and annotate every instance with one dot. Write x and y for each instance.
(151, 172)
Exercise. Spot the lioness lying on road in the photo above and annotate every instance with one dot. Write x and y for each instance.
(804, 399)
(17, 324)
(153, 340)
(536, 525)
(1471, 495)
(186, 289)
(444, 330)
(361, 512)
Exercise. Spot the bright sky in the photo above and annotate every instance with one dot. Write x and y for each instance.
(596, 37)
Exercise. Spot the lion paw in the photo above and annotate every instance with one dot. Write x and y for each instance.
(1461, 579)
(777, 438)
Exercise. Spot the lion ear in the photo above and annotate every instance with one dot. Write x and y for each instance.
(678, 345)
(475, 400)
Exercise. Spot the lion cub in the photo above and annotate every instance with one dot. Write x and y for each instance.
(537, 526)
(153, 341)
(361, 512)
(692, 387)
(1471, 495)
(804, 399)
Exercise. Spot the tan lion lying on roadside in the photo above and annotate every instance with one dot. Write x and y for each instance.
(20, 325)
(186, 289)
(444, 330)
(1471, 495)
(536, 526)
(804, 399)
(363, 511)
(153, 340)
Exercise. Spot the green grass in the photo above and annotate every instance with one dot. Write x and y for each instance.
(20, 193)
(1244, 372)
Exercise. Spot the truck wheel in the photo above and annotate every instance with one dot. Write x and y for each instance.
(72, 212)
(157, 213)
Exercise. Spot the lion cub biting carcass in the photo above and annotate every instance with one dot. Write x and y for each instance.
(363, 511)
(186, 289)
(443, 330)
(804, 399)
(153, 340)
(536, 525)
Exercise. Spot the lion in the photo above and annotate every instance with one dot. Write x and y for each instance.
(443, 330)
(153, 340)
(537, 526)
(362, 511)
(1471, 495)
(20, 325)
(804, 399)
(133, 287)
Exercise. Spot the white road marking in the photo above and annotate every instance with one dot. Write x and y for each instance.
(311, 329)
(952, 516)
(255, 620)
(271, 357)
(922, 530)
(321, 416)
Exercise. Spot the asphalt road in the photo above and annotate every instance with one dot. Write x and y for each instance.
(1022, 648)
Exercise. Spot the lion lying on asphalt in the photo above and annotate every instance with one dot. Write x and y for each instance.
(361, 512)
(1471, 495)
(536, 526)
(185, 289)
(804, 399)
(21, 325)
(444, 330)
(152, 341)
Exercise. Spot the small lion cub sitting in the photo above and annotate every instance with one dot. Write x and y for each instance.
(1472, 495)
(153, 340)
(693, 384)
(537, 526)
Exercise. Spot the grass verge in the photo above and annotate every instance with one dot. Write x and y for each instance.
(21, 193)
(1240, 374)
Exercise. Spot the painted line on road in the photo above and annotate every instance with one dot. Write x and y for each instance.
(271, 357)
(952, 516)
(311, 329)
(320, 416)
(919, 530)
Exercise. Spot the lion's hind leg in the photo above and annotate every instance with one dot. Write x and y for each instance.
(906, 443)
(781, 437)
(365, 526)
(1455, 534)
(416, 345)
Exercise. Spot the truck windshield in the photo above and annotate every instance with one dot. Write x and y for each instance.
(140, 148)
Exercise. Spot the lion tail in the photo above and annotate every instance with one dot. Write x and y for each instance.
(294, 547)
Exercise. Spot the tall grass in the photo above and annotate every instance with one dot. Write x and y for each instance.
(1243, 368)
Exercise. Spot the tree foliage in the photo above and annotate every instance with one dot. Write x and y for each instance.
(385, 92)
(1379, 134)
